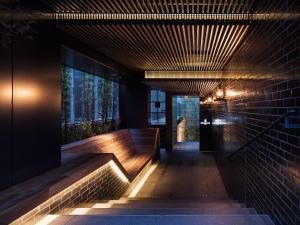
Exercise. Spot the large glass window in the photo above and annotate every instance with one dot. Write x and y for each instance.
(157, 112)
(90, 104)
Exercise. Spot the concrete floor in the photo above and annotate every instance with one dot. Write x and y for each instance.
(185, 175)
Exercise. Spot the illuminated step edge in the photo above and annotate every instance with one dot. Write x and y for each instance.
(140, 180)
(49, 218)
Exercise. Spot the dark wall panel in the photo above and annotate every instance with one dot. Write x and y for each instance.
(29, 105)
(36, 104)
(169, 122)
(133, 106)
(5, 115)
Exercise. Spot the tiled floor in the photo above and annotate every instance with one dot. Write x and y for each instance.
(185, 175)
(186, 146)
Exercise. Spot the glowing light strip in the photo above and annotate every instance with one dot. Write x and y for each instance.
(47, 220)
(80, 211)
(198, 75)
(138, 187)
(50, 218)
(183, 75)
(109, 204)
(118, 171)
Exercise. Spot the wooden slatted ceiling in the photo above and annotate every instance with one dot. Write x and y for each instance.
(152, 6)
(159, 47)
(201, 87)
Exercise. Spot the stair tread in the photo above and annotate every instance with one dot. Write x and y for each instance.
(137, 204)
(164, 211)
(166, 220)
(178, 205)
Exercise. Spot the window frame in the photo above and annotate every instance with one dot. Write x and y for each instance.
(157, 112)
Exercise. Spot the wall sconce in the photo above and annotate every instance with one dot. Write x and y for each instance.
(220, 93)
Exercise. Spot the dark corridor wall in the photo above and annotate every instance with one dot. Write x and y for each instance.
(30, 114)
(269, 65)
(133, 105)
(268, 175)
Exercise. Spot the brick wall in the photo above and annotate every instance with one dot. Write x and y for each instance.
(100, 184)
(267, 175)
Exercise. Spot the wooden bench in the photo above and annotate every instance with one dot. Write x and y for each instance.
(130, 150)
(133, 148)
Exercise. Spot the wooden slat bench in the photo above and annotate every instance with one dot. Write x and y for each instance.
(130, 150)
(133, 148)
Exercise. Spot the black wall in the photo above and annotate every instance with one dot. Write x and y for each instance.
(5, 116)
(30, 105)
(133, 106)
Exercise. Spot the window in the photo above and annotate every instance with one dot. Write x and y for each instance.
(157, 105)
(90, 105)
(86, 97)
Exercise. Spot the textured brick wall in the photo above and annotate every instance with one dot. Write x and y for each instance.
(267, 175)
(100, 184)
(270, 173)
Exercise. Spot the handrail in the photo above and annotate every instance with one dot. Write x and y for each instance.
(261, 133)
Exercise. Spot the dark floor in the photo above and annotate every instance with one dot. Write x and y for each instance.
(185, 175)
(186, 146)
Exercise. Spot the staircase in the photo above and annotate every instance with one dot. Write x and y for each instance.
(143, 211)
(169, 195)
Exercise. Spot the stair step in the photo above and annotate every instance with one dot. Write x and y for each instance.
(165, 220)
(164, 203)
(187, 204)
(161, 204)
(165, 211)
(204, 200)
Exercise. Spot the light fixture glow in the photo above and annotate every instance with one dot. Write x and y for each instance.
(209, 99)
(23, 93)
(47, 220)
(5, 93)
(138, 187)
(117, 170)
(220, 93)
(232, 93)
(80, 211)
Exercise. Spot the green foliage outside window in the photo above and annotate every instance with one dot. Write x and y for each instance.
(90, 105)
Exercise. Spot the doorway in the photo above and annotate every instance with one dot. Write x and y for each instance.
(185, 122)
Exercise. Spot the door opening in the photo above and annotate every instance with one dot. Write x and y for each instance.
(185, 122)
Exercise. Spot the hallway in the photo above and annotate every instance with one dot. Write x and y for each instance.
(174, 177)
(140, 112)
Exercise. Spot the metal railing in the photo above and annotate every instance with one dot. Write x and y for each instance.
(275, 122)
